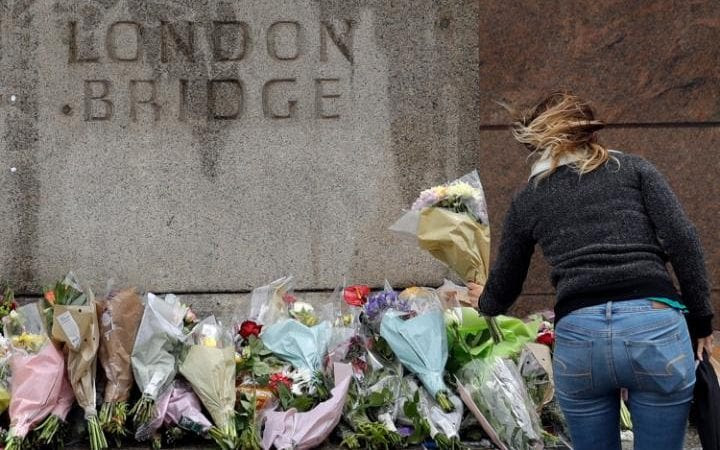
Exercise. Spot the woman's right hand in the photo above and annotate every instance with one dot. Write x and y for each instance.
(704, 344)
(474, 292)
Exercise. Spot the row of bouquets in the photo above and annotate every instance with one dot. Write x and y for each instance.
(383, 369)
(380, 370)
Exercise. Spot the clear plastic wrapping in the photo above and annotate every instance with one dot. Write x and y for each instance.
(156, 344)
(497, 390)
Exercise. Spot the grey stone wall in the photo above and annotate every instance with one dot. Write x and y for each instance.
(211, 146)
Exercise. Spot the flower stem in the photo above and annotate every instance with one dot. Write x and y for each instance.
(14, 443)
(142, 412)
(113, 417)
(97, 437)
(48, 430)
(444, 401)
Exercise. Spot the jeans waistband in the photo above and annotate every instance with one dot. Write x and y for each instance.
(610, 308)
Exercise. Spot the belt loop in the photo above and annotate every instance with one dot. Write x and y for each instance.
(608, 310)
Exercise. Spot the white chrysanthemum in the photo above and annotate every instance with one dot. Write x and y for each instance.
(462, 190)
(299, 307)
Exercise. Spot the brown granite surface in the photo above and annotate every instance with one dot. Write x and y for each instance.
(641, 61)
(685, 155)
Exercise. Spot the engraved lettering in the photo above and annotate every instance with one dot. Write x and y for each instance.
(236, 100)
(91, 95)
(342, 40)
(320, 96)
(111, 45)
(148, 100)
(73, 54)
(277, 35)
(267, 106)
(182, 107)
(185, 46)
(241, 39)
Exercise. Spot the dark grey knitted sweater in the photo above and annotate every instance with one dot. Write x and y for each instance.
(607, 236)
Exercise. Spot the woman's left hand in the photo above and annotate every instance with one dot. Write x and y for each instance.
(474, 292)
(704, 344)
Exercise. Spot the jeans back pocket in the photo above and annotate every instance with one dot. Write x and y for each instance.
(662, 365)
(572, 366)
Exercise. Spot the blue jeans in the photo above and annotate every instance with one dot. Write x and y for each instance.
(628, 344)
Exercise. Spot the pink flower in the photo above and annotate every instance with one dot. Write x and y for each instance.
(190, 317)
(288, 298)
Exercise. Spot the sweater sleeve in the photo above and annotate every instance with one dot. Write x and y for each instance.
(509, 270)
(679, 240)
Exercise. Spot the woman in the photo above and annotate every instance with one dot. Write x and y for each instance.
(607, 222)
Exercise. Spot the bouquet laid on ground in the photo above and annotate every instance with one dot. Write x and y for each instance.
(209, 366)
(427, 419)
(292, 429)
(179, 411)
(120, 314)
(470, 336)
(4, 374)
(450, 221)
(154, 355)
(300, 336)
(54, 428)
(37, 369)
(75, 325)
(418, 339)
(496, 389)
(372, 405)
(7, 302)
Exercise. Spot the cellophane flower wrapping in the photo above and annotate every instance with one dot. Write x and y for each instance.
(120, 314)
(33, 357)
(209, 366)
(77, 328)
(450, 221)
(470, 336)
(295, 331)
(305, 430)
(439, 421)
(157, 344)
(498, 391)
(4, 374)
(418, 338)
(178, 405)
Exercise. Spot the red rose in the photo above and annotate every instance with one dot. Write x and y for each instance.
(356, 295)
(547, 338)
(249, 328)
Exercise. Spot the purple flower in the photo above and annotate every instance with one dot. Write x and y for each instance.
(381, 301)
(427, 198)
(405, 431)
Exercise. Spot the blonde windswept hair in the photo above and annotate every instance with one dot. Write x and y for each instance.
(561, 126)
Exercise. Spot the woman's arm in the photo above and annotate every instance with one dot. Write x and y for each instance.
(509, 269)
(679, 239)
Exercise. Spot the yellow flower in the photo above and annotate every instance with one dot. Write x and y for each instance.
(209, 341)
(29, 342)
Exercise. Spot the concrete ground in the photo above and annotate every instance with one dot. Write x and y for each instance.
(692, 442)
